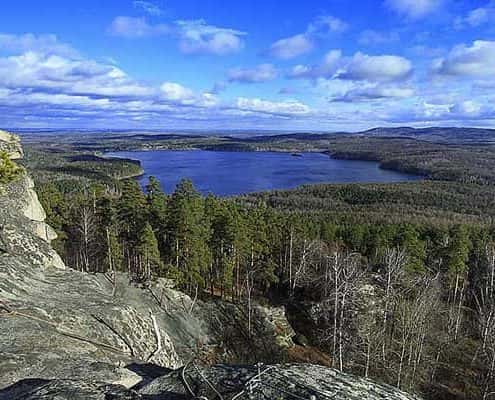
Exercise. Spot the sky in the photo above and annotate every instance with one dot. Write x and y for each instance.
(319, 65)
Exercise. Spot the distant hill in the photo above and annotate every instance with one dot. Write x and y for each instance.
(436, 134)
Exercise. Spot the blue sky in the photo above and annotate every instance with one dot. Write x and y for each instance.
(318, 65)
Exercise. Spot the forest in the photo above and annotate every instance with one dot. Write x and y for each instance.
(408, 304)
(395, 282)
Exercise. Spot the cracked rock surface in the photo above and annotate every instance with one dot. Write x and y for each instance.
(281, 382)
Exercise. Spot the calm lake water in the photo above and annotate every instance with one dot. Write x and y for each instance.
(229, 173)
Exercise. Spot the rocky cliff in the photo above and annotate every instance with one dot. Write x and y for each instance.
(70, 335)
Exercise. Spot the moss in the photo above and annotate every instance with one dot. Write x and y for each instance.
(9, 170)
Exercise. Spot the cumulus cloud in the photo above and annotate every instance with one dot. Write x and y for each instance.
(359, 67)
(459, 111)
(302, 43)
(384, 68)
(414, 9)
(44, 87)
(258, 74)
(53, 73)
(284, 108)
(47, 44)
(477, 60)
(326, 69)
(291, 47)
(175, 91)
(194, 36)
(376, 92)
(32, 71)
(148, 7)
(178, 94)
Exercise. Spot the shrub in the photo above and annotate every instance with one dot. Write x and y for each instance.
(9, 170)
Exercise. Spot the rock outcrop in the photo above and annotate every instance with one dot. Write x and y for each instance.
(226, 382)
(70, 335)
(11, 144)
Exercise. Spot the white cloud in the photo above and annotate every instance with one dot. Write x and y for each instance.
(175, 91)
(291, 47)
(326, 24)
(359, 67)
(196, 37)
(63, 80)
(477, 17)
(178, 94)
(430, 110)
(467, 107)
(45, 72)
(481, 16)
(326, 69)
(375, 92)
(47, 44)
(131, 27)
(148, 7)
(284, 108)
(414, 9)
(46, 82)
(260, 73)
(302, 43)
(477, 60)
(384, 68)
(53, 89)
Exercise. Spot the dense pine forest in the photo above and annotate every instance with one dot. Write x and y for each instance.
(395, 282)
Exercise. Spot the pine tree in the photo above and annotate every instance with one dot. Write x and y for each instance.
(132, 217)
(409, 239)
(222, 244)
(149, 260)
(188, 236)
(458, 256)
(157, 202)
(157, 206)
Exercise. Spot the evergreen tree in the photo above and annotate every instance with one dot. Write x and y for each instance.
(458, 253)
(157, 208)
(149, 261)
(409, 239)
(188, 236)
(157, 203)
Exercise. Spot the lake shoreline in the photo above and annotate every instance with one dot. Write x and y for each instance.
(333, 155)
(231, 173)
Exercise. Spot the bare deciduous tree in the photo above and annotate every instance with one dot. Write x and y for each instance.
(86, 229)
(394, 262)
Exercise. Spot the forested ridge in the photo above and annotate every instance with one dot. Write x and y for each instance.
(394, 282)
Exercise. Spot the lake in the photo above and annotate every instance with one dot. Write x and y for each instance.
(229, 173)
